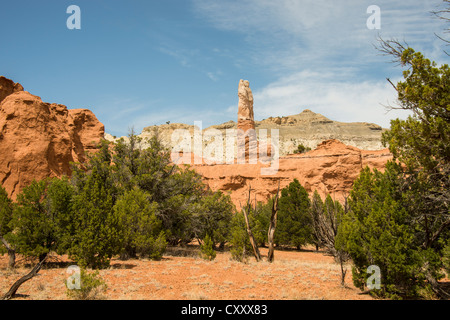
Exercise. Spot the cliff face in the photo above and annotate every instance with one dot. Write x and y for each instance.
(329, 169)
(38, 139)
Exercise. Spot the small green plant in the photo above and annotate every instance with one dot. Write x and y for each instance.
(301, 149)
(207, 249)
(92, 287)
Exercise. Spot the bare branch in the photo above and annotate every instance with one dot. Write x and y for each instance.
(12, 291)
(273, 225)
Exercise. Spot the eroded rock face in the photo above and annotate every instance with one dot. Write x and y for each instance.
(38, 139)
(330, 169)
(8, 87)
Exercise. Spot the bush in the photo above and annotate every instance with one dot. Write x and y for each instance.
(154, 248)
(41, 216)
(92, 287)
(294, 226)
(376, 231)
(96, 237)
(239, 241)
(207, 249)
(446, 258)
(301, 149)
(138, 224)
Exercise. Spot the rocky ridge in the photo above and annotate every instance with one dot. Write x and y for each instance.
(330, 169)
(307, 128)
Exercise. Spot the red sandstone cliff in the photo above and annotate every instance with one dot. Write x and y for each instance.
(329, 169)
(38, 139)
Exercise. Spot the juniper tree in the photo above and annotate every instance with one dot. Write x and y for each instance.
(294, 225)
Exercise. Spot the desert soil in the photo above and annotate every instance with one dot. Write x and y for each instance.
(183, 275)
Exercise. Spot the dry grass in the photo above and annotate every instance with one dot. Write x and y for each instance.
(181, 274)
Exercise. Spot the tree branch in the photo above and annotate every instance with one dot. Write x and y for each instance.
(12, 291)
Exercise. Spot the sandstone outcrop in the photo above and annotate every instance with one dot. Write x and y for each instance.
(38, 139)
(330, 169)
(8, 87)
(246, 118)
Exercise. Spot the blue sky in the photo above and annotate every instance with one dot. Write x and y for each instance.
(138, 63)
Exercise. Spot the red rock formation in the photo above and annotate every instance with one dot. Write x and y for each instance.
(38, 139)
(8, 87)
(329, 169)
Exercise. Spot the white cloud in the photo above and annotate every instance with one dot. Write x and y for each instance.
(320, 52)
(338, 100)
(293, 34)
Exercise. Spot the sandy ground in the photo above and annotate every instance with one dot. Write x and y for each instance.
(183, 275)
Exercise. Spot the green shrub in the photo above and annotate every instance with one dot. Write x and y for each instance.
(241, 248)
(446, 258)
(301, 149)
(207, 249)
(294, 226)
(154, 248)
(92, 287)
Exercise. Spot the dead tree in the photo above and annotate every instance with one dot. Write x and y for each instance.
(12, 291)
(326, 219)
(249, 231)
(273, 225)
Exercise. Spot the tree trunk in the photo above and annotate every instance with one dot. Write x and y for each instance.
(273, 225)
(11, 253)
(12, 291)
(12, 258)
(252, 239)
(249, 231)
(441, 293)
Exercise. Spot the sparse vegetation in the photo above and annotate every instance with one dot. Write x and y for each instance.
(301, 149)
(130, 206)
(207, 249)
(92, 287)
